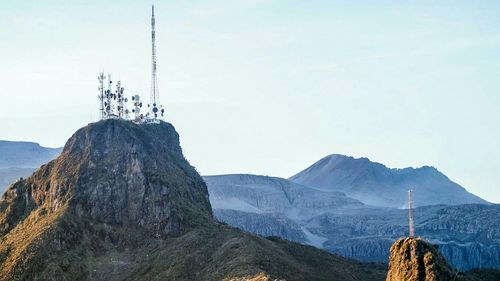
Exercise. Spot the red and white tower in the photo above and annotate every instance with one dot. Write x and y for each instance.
(410, 215)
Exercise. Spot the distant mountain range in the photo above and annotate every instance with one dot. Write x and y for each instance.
(19, 159)
(374, 184)
(25, 154)
(468, 235)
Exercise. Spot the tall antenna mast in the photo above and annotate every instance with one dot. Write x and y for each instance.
(101, 94)
(155, 98)
(410, 215)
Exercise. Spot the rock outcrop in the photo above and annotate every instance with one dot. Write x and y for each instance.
(413, 259)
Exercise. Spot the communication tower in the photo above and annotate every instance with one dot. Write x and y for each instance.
(410, 215)
(113, 104)
(121, 101)
(156, 111)
(101, 78)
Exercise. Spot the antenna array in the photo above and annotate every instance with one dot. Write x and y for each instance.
(113, 104)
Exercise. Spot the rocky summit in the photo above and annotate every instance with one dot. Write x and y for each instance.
(413, 259)
(122, 203)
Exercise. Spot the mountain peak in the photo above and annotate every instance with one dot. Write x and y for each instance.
(118, 172)
(375, 184)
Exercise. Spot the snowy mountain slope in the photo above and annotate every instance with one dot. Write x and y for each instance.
(375, 184)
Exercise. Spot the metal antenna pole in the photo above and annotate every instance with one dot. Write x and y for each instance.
(155, 99)
(410, 214)
(101, 94)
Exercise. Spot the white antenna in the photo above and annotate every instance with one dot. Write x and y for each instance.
(101, 94)
(410, 215)
(137, 109)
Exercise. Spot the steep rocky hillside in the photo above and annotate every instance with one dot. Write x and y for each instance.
(122, 203)
(375, 184)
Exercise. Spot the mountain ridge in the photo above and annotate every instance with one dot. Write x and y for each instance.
(24, 154)
(375, 184)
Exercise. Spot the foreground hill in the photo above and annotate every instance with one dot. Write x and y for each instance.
(375, 184)
(122, 203)
(468, 235)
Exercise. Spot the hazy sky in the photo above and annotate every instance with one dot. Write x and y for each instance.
(269, 86)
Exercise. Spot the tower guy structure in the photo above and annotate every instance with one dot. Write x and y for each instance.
(410, 216)
(155, 109)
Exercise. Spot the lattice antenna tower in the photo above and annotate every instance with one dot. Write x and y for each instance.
(101, 78)
(410, 215)
(155, 108)
(108, 103)
(121, 101)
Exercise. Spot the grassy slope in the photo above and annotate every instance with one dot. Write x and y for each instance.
(57, 247)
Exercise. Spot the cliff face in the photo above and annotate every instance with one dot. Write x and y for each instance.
(122, 203)
(413, 259)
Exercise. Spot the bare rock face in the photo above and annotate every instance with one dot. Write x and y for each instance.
(118, 173)
(413, 259)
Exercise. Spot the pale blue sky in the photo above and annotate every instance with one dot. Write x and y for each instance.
(269, 86)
